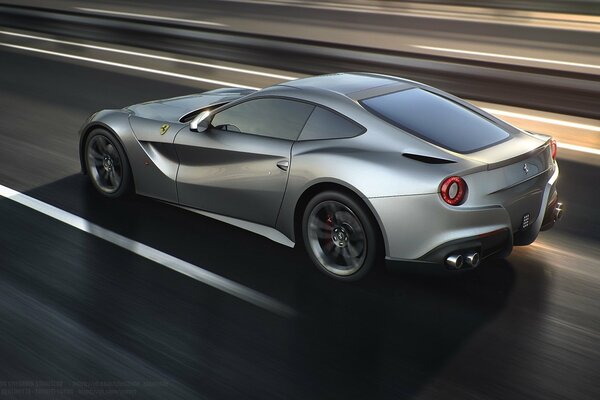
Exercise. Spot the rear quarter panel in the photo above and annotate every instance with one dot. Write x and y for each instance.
(370, 165)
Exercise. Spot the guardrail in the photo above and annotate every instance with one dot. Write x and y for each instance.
(537, 88)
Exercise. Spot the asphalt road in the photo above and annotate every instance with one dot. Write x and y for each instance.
(85, 318)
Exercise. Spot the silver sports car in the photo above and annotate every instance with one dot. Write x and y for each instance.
(359, 167)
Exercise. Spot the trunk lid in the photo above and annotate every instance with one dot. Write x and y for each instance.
(515, 178)
(510, 151)
(516, 160)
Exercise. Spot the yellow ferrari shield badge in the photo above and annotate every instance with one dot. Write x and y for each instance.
(164, 129)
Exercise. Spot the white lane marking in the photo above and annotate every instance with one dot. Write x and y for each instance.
(440, 15)
(128, 66)
(151, 17)
(581, 149)
(523, 19)
(153, 56)
(508, 57)
(375, 10)
(183, 267)
(551, 121)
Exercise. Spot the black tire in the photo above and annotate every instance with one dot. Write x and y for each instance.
(333, 227)
(105, 159)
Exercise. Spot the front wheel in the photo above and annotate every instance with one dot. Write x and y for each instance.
(107, 164)
(340, 236)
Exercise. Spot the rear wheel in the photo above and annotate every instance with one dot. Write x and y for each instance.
(340, 236)
(107, 164)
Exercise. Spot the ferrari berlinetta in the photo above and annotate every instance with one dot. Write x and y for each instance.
(358, 167)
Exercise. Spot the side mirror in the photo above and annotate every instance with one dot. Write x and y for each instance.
(201, 122)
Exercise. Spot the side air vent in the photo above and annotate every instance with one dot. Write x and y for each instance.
(427, 159)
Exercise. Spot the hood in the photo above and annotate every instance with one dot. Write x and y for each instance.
(174, 109)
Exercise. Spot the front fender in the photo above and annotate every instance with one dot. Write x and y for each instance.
(114, 121)
(148, 179)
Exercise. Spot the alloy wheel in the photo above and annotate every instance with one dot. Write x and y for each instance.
(337, 238)
(104, 164)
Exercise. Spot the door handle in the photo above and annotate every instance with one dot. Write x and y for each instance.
(283, 165)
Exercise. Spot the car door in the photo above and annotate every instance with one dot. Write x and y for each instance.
(239, 166)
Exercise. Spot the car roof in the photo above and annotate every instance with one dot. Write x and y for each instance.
(355, 85)
(340, 92)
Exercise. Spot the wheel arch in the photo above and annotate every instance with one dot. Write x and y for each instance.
(85, 132)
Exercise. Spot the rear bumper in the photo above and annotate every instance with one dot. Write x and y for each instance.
(486, 245)
(490, 245)
(547, 215)
(554, 212)
(414, 226)
(424, 230)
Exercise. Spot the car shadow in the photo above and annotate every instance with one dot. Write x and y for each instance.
(387, 336)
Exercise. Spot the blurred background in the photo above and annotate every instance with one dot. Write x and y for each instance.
(81, 317)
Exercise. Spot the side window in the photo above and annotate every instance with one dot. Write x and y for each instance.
(324, 124)
(276, 118)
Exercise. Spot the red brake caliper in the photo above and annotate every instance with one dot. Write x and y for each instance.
(329, 221)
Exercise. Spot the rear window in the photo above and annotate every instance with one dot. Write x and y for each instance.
(436, 119)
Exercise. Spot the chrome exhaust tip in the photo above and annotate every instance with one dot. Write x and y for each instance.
(472, 259)
(558, 211)
(454, 261)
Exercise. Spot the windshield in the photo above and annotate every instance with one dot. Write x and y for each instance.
(436, 119)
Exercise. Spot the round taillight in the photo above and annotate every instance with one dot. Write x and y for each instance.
(453, 190)
(553, 148)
